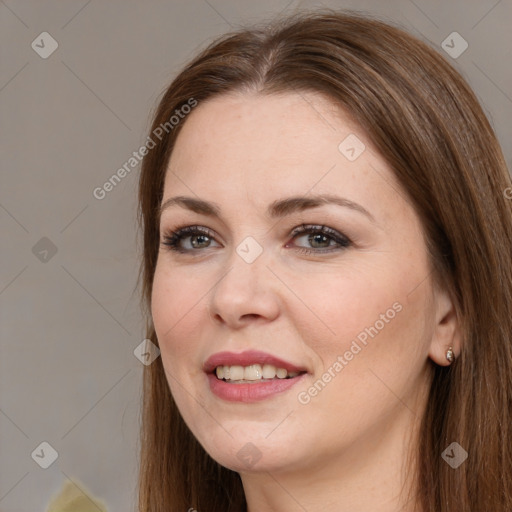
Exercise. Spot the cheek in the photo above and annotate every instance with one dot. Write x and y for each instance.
(179, 313)
(375, 316)
(340, 304)
(377, 353)
(177, 305)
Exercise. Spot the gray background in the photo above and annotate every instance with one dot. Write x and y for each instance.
(70, 321)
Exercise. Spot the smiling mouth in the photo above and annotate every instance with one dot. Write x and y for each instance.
(253, 374)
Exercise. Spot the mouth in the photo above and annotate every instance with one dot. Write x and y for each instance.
(253, 373)
(250, 376)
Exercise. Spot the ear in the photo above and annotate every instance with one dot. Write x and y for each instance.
(447, 332)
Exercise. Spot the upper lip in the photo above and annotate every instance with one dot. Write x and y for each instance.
(247, 358)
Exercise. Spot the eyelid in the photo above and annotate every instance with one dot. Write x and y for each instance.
(318, 228)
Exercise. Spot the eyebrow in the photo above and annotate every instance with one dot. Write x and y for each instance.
(279, 208)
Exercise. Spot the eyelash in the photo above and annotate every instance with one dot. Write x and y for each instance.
(172, 239)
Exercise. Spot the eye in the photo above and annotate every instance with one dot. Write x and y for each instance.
(317, 239)
(189, 238)
(309, 239)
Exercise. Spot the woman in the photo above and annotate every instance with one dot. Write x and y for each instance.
(327, 273)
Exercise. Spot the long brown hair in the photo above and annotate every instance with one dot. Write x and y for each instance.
(427, 124)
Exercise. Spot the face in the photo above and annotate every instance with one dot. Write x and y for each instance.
(289, 255)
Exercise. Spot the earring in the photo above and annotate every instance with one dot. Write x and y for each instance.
(449, 355)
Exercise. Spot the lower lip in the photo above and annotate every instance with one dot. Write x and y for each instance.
(250, 392)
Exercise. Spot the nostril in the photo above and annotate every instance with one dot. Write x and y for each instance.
(250, 316)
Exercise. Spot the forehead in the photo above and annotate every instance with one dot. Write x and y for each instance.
(264, 131)
(266, 146)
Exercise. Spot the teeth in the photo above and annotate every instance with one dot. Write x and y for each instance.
(269, 371)
(253, 372)
(235, 372)
(281, 373)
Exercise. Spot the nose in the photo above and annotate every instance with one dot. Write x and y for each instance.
(247, 293)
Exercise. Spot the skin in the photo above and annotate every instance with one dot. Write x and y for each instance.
(345, 450)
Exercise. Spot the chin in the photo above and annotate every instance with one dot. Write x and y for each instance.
(245, 453)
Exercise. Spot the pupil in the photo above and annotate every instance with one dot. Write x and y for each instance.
(199, 241)
(318, 240)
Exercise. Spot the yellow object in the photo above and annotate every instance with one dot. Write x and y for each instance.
(72, 499)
